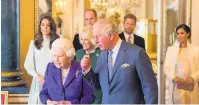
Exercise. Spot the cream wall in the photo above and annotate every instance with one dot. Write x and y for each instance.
(26, 33)
(149, 8)
(195, 22)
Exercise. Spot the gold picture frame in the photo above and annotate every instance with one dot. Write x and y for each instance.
(36, 16)
(189, 9)
(4, 97)
(41, 8)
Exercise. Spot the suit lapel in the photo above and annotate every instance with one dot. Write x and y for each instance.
(106, 67)
(71, 74)
(122, 36)
(191, 54)
(119, 59)
(57, 76)
(135, 39)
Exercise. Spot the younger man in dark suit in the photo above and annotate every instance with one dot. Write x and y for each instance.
(90, 17)
(128, 35)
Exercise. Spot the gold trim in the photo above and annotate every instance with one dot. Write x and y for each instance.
(18, 98)
(189, 9)
(36, 15)
(13, 83)
(18, 95)
(11, 74)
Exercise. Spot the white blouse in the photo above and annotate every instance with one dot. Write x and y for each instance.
(64, 74)
(37, 60)
(183, 71)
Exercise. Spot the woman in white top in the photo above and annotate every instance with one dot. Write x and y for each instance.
(182, 69)
(39, 55)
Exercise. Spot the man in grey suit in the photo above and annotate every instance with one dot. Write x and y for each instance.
(124, 70)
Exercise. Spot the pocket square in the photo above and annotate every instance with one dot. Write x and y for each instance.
(125, 65)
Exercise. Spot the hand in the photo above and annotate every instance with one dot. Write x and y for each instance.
(40, 79)
(64, 102)
(86, 63)
(190, 80)
(190, 83)
(177, 80)
(187, 84)
(48, 102)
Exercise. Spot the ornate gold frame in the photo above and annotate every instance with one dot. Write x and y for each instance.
(36, 16)
(189, 9)
(12, 83)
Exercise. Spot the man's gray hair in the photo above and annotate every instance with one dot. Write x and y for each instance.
(107, 26)
(64, 45)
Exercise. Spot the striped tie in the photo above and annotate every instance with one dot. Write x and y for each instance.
(110, 65)
(129, 39)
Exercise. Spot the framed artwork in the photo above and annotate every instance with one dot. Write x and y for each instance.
(4, 97)
(177, 12)
(41, 8)
(63, 12)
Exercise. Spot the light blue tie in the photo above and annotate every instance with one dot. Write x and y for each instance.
(110, 65)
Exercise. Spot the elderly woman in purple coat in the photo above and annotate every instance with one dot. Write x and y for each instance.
(64, 83)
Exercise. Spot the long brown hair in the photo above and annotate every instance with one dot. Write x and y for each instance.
(39, 36)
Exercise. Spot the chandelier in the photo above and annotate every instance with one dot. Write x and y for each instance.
(60, 3)
(99, 4)
(115, 3)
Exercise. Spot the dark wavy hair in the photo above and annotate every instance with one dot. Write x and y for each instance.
(39, 36)
(186, 28)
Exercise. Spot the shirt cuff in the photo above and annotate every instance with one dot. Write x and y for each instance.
(86, 71)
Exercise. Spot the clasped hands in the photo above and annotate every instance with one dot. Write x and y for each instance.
(187, 84)
(50, 102)
(40, 79)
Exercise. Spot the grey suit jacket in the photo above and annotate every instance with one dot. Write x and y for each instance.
(133, 84)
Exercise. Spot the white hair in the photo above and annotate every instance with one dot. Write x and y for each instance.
(107, 27)
(65, 45)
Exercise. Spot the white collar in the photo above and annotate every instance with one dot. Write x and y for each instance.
(117, 46)
(177, 44)
(92, 51)
(132, 34)
(127, 36)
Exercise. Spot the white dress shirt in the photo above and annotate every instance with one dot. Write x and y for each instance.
(115, 51)
(114, 55)
(127, 36)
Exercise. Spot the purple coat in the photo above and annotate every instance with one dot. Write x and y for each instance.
(75, 89)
